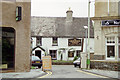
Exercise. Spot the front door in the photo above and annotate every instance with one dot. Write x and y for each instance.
(38, 53)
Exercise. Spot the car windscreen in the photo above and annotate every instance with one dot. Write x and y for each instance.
(35, 58)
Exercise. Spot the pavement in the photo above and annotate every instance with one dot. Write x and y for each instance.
(107, 73)
(32, 74)
(35, 73)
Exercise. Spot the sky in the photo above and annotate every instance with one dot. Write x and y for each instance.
(58, 8)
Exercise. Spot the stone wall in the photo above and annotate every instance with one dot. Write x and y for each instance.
(99, 57)
(105, 65)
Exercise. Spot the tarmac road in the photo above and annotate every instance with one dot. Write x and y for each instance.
(69, 71)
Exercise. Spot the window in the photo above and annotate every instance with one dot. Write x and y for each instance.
(110, 47)
(110, 51)
(110, 40)
(119, 46)
(70, 53)
(8, 46)
(55, 41)
(78, 53)
(53, 54)
(119, 51)
(39, 41)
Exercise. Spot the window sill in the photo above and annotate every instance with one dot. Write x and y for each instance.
(55, 45)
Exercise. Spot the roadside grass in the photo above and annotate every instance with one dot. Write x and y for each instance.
(32, 67)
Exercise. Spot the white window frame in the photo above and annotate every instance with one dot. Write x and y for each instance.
(118, 44)
(56, 43)
(110, 44)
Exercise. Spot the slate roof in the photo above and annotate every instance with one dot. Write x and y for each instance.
(58, 26)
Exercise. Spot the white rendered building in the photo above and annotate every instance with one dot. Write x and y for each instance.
(61, 37)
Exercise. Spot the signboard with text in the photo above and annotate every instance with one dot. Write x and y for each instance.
(46, 63)
(111, 23)
(74, 42)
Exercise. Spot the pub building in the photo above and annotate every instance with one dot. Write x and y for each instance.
(107, 30)
(62, 38)
(15, 35)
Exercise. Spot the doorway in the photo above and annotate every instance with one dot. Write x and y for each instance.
(8, 47)
(38, 53)
(110, 51)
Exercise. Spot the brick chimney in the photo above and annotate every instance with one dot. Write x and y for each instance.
(69, 17)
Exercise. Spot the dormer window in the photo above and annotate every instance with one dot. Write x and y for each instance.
(54, 41)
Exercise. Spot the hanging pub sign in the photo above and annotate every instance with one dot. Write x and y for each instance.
(74, 42)
(111, 23)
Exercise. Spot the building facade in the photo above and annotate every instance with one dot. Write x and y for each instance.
(15, 28)
(107, 30)
(61, 37)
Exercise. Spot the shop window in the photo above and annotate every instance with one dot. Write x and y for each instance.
(70, 53)
(110, 47)
(8, 47)
(110, 51)
(54, 41)
(39, 41)
(119, 46)
(53, 54)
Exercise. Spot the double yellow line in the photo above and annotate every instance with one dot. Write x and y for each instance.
(48, 73)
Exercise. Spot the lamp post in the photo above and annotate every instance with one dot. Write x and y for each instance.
(86, 27)
(88, 60)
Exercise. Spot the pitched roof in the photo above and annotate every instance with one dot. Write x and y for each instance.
(58, 26)
(38, 47)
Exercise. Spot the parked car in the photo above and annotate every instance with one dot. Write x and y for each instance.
(77, 62)
(36, 61)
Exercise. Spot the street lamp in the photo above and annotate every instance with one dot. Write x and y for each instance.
(86, 27)
(88, 60)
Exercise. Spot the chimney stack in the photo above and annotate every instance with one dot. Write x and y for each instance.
(69, 17)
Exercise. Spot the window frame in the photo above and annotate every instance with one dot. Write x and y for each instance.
(54, 41)
(39, 41)
(72, 52)
(118, 46)
(52, 53)
(111, 43)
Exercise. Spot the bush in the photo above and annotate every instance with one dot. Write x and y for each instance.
(59, 62)
(75, 58)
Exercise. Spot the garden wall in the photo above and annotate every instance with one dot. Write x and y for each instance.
(105, 65)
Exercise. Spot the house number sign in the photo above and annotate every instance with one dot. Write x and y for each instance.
(74, 42)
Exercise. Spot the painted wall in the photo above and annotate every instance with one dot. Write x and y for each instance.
(101, 8)
(100, 32)
(62, 43)
(22, 31)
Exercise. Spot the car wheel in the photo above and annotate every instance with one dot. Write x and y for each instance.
(39, 66)
(75, 65)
